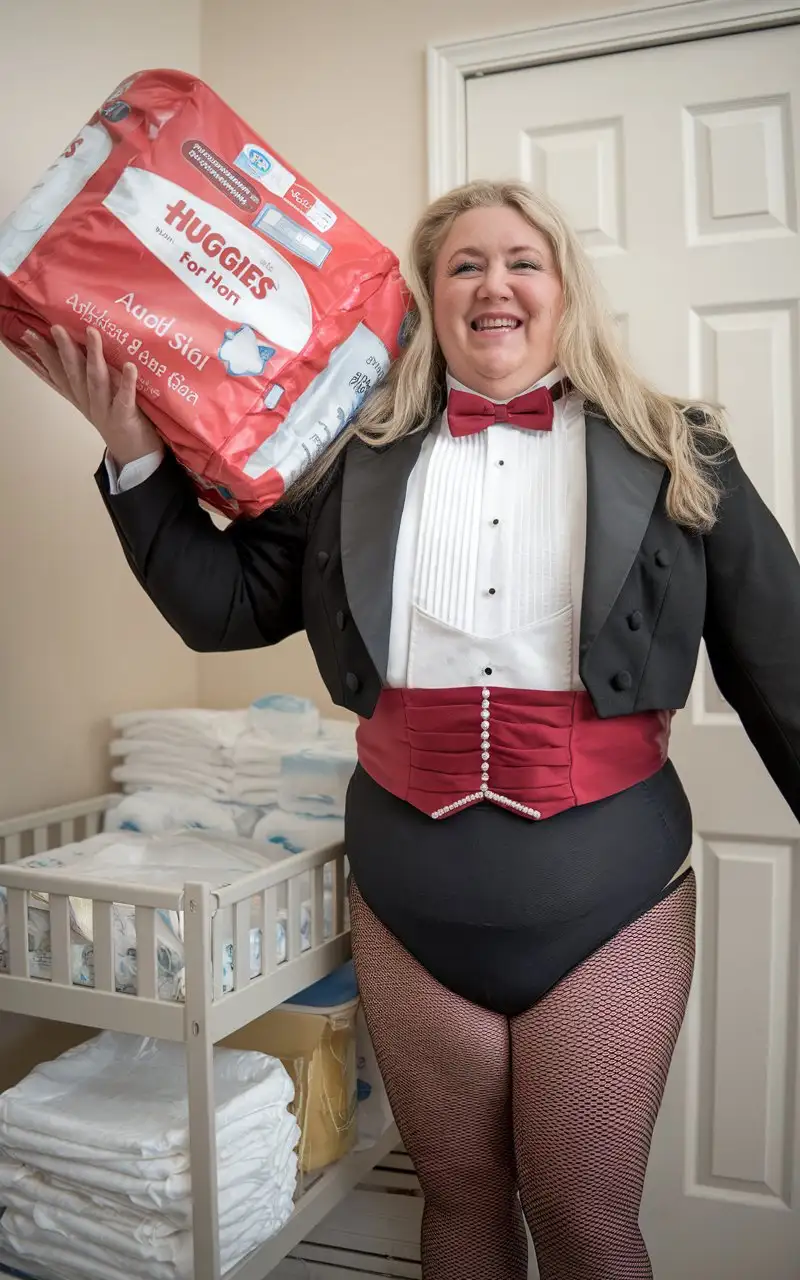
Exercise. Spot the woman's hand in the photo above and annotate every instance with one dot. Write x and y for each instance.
(104, 396)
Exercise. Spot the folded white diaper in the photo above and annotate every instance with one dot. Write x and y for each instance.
(130, 1094)
(192, 724)
(167, 859)
(152, 812)
(284, 718)
(314, 781)
(95, 1170)
(296, 832)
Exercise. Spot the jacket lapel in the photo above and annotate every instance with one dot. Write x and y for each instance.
(621, 491)
(373, 495)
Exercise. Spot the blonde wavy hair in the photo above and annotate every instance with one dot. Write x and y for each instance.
(686, 436)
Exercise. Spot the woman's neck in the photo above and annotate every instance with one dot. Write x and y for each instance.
(502, 391)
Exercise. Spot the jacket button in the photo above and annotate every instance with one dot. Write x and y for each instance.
(622, 681)
(341, 619)
(322, 559)
(663, 559)
(352, 681)
(635, 620)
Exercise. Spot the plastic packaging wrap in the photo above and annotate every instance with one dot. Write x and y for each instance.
(95, 1171)
(167, 860)
(259, 315)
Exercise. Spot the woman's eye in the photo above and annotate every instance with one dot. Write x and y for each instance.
(467, 268)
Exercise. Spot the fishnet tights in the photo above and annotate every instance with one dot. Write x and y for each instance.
(558, 1103)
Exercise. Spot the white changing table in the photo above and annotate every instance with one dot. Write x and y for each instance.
(207, 1015)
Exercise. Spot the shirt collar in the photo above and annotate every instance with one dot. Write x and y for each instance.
(549, 380)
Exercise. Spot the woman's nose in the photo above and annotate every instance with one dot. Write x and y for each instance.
(495, 282)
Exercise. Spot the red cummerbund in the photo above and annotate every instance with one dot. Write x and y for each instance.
(443, 750)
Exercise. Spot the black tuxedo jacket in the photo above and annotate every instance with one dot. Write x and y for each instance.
(651, 589)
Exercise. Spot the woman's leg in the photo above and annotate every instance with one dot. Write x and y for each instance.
(446, 1066)
(590, 1063)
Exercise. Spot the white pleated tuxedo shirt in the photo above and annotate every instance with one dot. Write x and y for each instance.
(488, 574)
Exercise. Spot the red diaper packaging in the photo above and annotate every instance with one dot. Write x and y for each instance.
(258, 314)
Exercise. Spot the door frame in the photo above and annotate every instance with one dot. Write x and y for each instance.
(451, 65)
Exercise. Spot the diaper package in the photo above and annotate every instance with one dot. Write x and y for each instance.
(259, 315)
(168, 859)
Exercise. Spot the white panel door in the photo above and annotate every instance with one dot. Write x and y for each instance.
(679, 167)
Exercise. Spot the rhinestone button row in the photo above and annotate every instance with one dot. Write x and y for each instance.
(485, 793)
(485, 717)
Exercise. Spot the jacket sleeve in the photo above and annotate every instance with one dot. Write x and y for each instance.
(234, 589)
(752, 625)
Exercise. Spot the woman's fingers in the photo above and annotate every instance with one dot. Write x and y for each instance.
(74, 366)
(130, 434)
(48, 356)
(104, 395)
(124, 406)
(124, 418)
(98, 381)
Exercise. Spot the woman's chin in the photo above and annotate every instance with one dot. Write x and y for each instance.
(494, 368)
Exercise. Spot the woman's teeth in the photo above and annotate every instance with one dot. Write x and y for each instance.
(495, 324)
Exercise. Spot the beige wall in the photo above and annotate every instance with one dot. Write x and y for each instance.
(234, 679)
(78, 639)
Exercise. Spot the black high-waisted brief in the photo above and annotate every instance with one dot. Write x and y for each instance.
(498, 908)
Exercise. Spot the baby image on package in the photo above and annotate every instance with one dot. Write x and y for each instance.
(258, 313)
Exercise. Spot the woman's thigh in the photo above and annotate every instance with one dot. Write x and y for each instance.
(590, 1063)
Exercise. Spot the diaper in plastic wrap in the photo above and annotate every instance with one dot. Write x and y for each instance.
(169, 948)
(96, 1163)
(167, 861)
(259, 315)
(314, 780)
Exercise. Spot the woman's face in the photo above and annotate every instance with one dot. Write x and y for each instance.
(497, 302)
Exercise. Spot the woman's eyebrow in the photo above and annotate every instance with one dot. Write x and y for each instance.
(478, 253)
(468, 248)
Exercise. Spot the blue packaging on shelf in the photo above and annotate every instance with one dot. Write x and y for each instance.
(337, 988)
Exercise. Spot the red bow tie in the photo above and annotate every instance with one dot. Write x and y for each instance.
(468, 413)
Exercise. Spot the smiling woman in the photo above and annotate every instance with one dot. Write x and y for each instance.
(497, 302)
